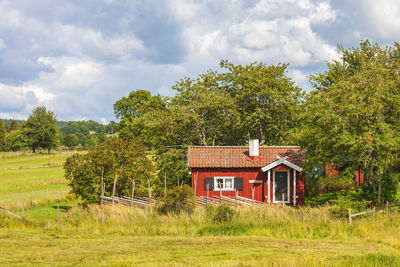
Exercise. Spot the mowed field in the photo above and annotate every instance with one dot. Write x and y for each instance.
(24, 173)
(267, 236)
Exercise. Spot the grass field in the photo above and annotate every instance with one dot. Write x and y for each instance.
(267, 236)
(23, 173)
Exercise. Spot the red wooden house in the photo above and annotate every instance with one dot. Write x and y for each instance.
(269, 172)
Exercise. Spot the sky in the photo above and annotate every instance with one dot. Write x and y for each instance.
(77, 58)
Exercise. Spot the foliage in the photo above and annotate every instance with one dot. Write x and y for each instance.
(352, 117)
(2, 134)
(221, 213)
(15, 141)
(119, 163)
(41, 130)
(13, 126)
(178, 199)
(332, 183)
(267, 100)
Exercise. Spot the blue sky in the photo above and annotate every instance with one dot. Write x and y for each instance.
(78, 57)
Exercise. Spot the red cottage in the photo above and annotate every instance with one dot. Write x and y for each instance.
(271, 172)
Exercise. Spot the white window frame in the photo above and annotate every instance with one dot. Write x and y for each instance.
(224, 177)
(273, 186)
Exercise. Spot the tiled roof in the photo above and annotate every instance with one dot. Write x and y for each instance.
(238, 157)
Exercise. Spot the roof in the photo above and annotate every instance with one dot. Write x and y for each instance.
(238, 156)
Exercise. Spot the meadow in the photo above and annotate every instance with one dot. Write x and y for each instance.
(264, 236)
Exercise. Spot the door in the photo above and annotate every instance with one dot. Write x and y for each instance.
(281, 186)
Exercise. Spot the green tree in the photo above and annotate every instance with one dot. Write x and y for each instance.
(15, 141)
(41, 129)
(118, 164)
(2, 134)
(267, 100)
(206, 108)
(351, 118)
(13, 126)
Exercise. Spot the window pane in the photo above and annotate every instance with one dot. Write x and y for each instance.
(228, 183)
(220, 183)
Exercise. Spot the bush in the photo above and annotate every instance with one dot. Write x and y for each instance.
(348, 200)
(221, 213)
(178, 199)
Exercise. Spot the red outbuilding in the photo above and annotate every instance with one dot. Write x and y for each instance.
(265, 173)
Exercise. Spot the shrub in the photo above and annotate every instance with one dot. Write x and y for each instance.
(221, 213)
(178, 199)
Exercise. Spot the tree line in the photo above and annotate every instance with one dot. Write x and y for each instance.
(42, 131)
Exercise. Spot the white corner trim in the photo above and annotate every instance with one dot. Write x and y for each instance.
(255, 181)
(281, 161)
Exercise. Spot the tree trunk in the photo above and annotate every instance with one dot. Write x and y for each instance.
(48, 150)
(114, 187)
(33, 149)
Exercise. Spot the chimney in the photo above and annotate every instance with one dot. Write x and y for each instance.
(253, 147)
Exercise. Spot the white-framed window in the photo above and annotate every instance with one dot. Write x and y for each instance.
(224, 183)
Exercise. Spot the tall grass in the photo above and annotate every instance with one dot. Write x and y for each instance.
(267, 221)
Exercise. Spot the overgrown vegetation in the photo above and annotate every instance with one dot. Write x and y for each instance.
(178, 199)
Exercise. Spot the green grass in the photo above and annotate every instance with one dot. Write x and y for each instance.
(16, 178)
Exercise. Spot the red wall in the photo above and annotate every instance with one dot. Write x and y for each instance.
(247, 174)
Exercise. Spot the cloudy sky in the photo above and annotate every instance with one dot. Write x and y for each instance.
(78, 57)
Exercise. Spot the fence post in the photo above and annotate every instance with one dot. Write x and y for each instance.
(207, 188)
(102, 215)
(133, 191)
(349, 216)
(252, 195)
(387, 207)
(236, 193)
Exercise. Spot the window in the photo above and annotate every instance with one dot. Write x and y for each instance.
(223, 183)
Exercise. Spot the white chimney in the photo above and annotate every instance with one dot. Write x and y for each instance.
(253, 147)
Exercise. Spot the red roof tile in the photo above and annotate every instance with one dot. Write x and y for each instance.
(238, 157)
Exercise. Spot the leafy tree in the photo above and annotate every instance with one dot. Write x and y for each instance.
(267, 100)
(70, 140)
(351, 118)
(15, 141)
(206, 108)
(41, 129)
(13, 126)
(142, 116)
(2, 134)
(117, 164)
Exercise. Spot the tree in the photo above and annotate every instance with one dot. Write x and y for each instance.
(2, 134)
(142, 116)
(206, 107)
(41, 129)
(13, 126)
(267, 100)
(117, 164)
(351, 118)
